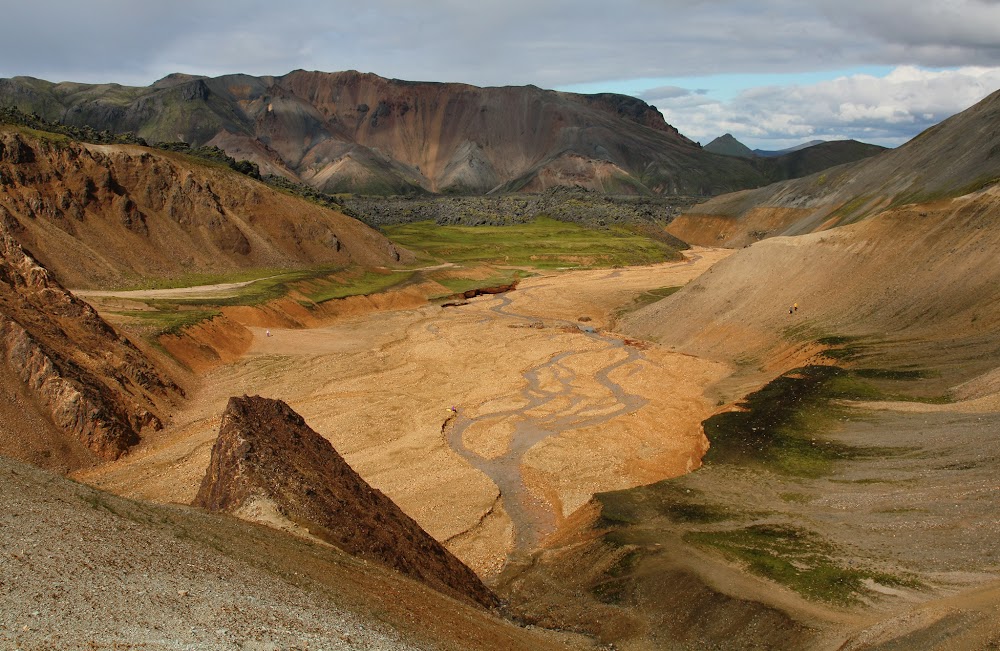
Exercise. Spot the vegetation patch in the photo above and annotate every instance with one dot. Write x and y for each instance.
(796, 558)
(665, 499)
(370, 282)
(777, 426)
(543, 243)
(167, 321)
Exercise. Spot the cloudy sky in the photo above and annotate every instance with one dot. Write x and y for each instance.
(773, 73)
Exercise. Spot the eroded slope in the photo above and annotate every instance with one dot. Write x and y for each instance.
(101, 214)
(82, 391)
(953, 158)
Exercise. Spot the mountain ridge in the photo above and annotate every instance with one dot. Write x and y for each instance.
(364, 133)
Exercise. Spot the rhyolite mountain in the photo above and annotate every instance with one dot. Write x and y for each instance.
(97, 215)
(351, 131)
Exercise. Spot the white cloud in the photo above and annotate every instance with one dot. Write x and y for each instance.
(885, 110)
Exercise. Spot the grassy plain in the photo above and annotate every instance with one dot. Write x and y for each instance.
(542, 244)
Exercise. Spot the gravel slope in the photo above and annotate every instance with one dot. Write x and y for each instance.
(82, 569)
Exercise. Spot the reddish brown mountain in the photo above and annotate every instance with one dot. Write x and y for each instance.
(266, 452)
(71, 388)
(113, 214)
(349, 131)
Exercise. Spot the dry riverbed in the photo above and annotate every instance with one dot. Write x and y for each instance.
(549, 407)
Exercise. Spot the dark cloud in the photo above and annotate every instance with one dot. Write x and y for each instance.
(555, 43)
(552, 43)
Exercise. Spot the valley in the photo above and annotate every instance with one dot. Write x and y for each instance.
(632, 438)
(537, 395)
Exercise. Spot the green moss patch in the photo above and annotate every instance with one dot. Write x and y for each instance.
(796, 558)
(169, 321)
(664, 499)
(778, 426)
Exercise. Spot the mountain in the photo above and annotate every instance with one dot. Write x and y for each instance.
(98, 215)
(769, 153)
(953, 158)
(810, 159)
(349, 131)
(794, 162)
(727, 145)
(267, 459)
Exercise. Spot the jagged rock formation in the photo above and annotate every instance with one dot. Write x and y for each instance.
(69, 367)
(104, 215)
(266, 453)
(349, 131)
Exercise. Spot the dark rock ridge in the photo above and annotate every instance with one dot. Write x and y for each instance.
(358, 132)
(265, 451)
(90, 382)
(563, 203)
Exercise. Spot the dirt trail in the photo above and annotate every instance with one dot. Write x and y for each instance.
(594, 414)
(218, 290)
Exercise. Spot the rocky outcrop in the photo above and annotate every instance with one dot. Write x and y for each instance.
(266, 453)
(91, 383)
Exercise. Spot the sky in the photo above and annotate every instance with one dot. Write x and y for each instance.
(773, 73)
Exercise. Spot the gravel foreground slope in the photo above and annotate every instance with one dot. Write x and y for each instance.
(82, 569)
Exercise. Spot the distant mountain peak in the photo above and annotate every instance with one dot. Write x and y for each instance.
(728, 145)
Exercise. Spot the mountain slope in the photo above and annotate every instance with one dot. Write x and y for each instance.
(112, 214)
(86, 569)
(361, 132)
(788, 150)
(266, 453)
(953, 158)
